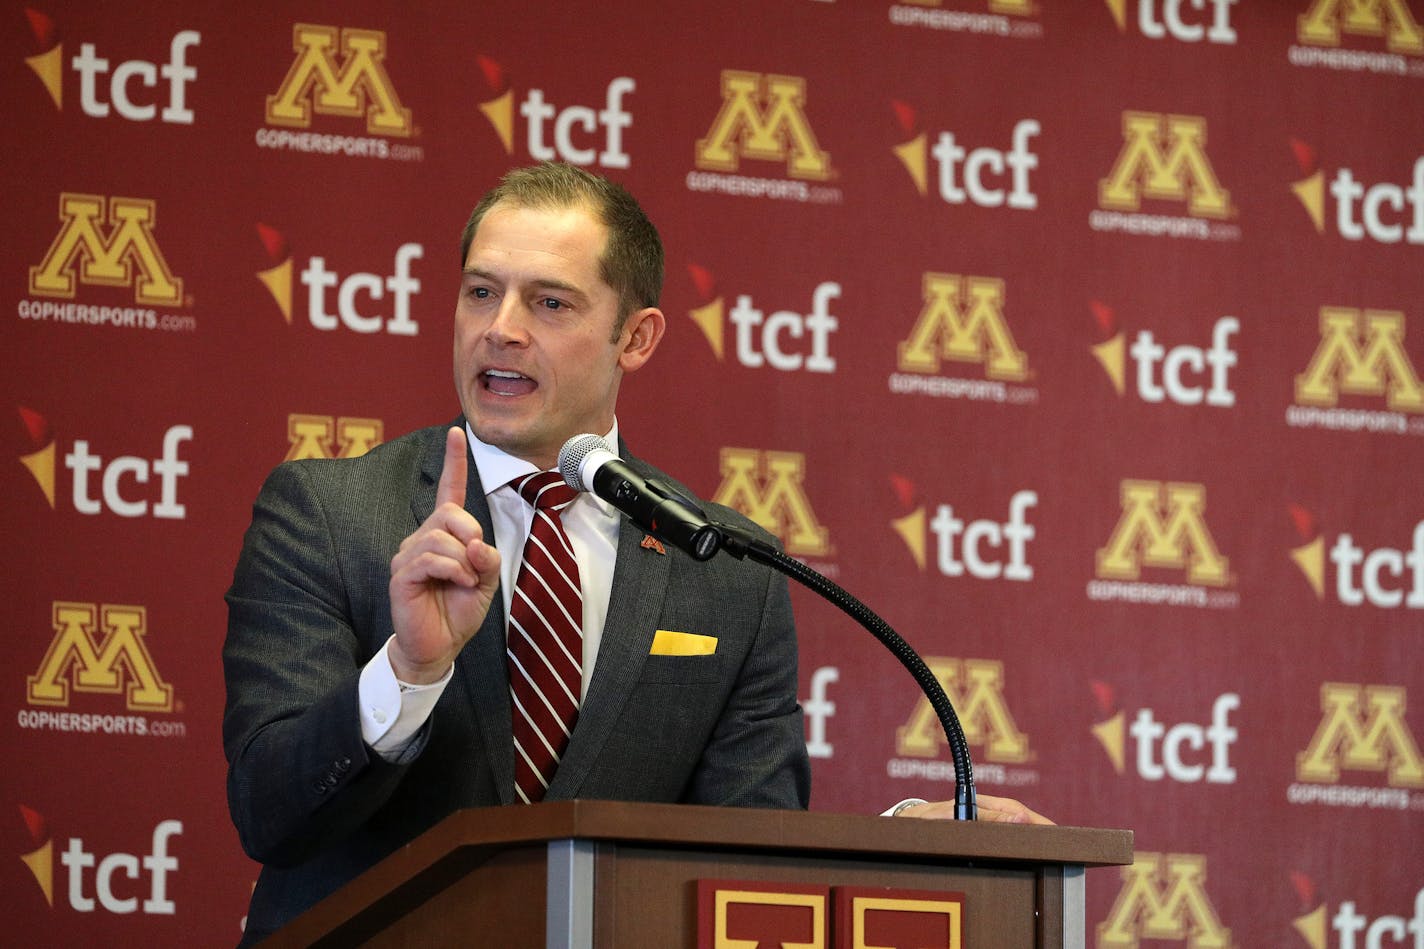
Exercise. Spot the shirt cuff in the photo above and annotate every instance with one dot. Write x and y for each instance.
(907, 802)
(393, 711)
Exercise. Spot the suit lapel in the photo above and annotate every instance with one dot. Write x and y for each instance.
(481, 666)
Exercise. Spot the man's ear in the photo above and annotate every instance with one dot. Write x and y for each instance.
(642, 332)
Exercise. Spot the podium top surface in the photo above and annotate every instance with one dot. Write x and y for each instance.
(752, 829)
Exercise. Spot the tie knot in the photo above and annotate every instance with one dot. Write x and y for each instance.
(546, 490)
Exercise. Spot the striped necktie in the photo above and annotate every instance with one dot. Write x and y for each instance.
(545, 639)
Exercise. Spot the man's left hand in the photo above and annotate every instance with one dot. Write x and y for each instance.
(995, 810)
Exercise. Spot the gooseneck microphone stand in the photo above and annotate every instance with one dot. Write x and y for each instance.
(742, 545)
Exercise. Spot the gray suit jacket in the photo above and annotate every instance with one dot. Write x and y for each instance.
(309, 606)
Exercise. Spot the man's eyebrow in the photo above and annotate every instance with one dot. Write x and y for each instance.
(543, 283)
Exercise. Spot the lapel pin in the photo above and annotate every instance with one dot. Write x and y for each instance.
(652, 543)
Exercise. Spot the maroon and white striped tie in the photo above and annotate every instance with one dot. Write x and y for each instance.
(545, 639)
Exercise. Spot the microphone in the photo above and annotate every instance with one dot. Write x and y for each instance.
(588, 465)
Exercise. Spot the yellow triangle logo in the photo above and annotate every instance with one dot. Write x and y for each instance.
(1118, 9)
(278, 281)
(500, 113)
(49, 66)
(709, 319)
(1310, 558)
(912, 156)
(41, 465)
(1111, 356)
(41, 864)
(911, 529)
(1110, 734)
(1311, 192)
(1312, 927)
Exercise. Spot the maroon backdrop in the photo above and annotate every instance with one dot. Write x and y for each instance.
(1081, 340)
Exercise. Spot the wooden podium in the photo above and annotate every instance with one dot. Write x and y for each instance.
(623, 876)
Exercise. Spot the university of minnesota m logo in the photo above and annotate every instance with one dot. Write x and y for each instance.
(1361, 352)
(1164, 897)
(1163, 157)
(1326, 19)
(763, 118)
(975, 688)
(963, 320)
(357, 84)
(769, 488)
(1363, 729)
(107, 240)
(1162, 526)
(95, 649)
(321, 436)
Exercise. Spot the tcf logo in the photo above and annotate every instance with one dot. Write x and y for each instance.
(575, 133)
(116, 476)
(79, 860)
(1166, 750)
(1360, 571)
(975, 176)
(1173, 24)
(1380, 211)
(358, 294)
(1174, 374)
(761, 339)
(973, 547)
(122, 76)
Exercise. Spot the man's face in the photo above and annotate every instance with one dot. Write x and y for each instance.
(536, 361)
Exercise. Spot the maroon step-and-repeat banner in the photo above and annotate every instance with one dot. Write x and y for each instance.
(1082, 340)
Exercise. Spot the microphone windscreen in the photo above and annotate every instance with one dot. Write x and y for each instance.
(571, 458)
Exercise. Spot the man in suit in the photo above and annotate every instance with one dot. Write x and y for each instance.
(372, 658)
(367, 668)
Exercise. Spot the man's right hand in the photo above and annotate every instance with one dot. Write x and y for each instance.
(443, 580)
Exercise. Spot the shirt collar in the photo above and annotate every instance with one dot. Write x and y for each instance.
(497, 468)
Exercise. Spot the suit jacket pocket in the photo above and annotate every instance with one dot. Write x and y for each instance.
(681, 670)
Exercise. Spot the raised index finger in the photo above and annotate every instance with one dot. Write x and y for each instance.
(455, 472)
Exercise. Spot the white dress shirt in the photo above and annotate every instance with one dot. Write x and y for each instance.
(392, 711)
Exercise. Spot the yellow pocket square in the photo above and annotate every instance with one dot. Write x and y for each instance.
(668, 643)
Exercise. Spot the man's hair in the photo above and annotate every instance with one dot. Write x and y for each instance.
(632, 260)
